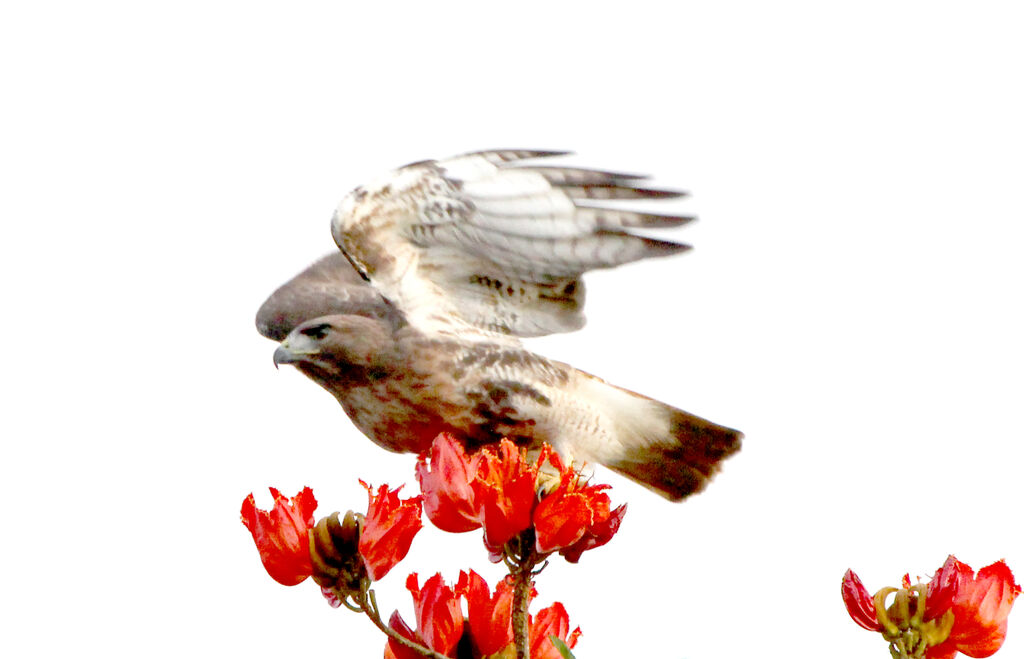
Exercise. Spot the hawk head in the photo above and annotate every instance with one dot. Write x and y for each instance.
(338, 347)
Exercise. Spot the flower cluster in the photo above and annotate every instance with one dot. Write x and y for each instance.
(485, 630)
(497, 490)
(957, 611)
(528, 510)
(338, 554)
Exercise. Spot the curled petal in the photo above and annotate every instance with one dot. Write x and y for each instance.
(390, 526)
(599, 533)
(447, 496)
(282, 534)
(859, 603)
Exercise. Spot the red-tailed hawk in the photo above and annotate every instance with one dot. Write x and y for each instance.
(414, 325)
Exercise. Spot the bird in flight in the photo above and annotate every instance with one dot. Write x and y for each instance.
(414, 325)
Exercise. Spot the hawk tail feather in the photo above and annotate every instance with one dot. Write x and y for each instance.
(665, 449)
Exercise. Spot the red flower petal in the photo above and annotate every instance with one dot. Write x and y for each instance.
(942, 588)
(552, 621)
(394, 649)
(390, 526)
(438, 613)
(505, 491)
(562, 518)
(859, 603)
(282, 534)
(447, 496)
(598, 534)
(981, 607)
(331, 597)
(944, 650)
(489, 616)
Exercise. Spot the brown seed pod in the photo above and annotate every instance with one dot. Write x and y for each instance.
(334, 552)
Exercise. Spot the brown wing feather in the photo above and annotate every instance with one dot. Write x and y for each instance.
(496, 242)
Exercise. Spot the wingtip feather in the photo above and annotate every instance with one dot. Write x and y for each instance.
(615, 190)
(653, 247)
(498, 156)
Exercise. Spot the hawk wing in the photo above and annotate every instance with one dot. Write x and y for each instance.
(493, 241)
(329, 286)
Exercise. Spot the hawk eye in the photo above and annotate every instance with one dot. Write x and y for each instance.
(316, 331)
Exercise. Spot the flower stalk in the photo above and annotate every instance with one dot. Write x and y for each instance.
(367, 603)
(521, 566)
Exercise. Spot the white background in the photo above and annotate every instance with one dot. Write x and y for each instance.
(853, 302)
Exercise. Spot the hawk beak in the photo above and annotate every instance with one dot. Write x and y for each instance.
(284, 356)
(294, 349)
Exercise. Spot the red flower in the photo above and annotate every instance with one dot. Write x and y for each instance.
(388, 530)
(575, 517)
(447, 496)
(282, 534)
(497, 489)
(564, 515)
(505, 491)
(489, 616)
(980, 608)
(552, 621)
(438, 618)
(961, 612)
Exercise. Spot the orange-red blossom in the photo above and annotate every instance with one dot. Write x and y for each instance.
(497, 489)
(957, 611)
(282, 533)
(485, 630)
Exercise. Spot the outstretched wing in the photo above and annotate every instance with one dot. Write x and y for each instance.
(494, 241)
(329, 286)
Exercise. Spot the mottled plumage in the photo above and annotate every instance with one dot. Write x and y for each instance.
(457, 259)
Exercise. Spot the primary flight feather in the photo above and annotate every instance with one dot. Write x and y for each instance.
(413, 326)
